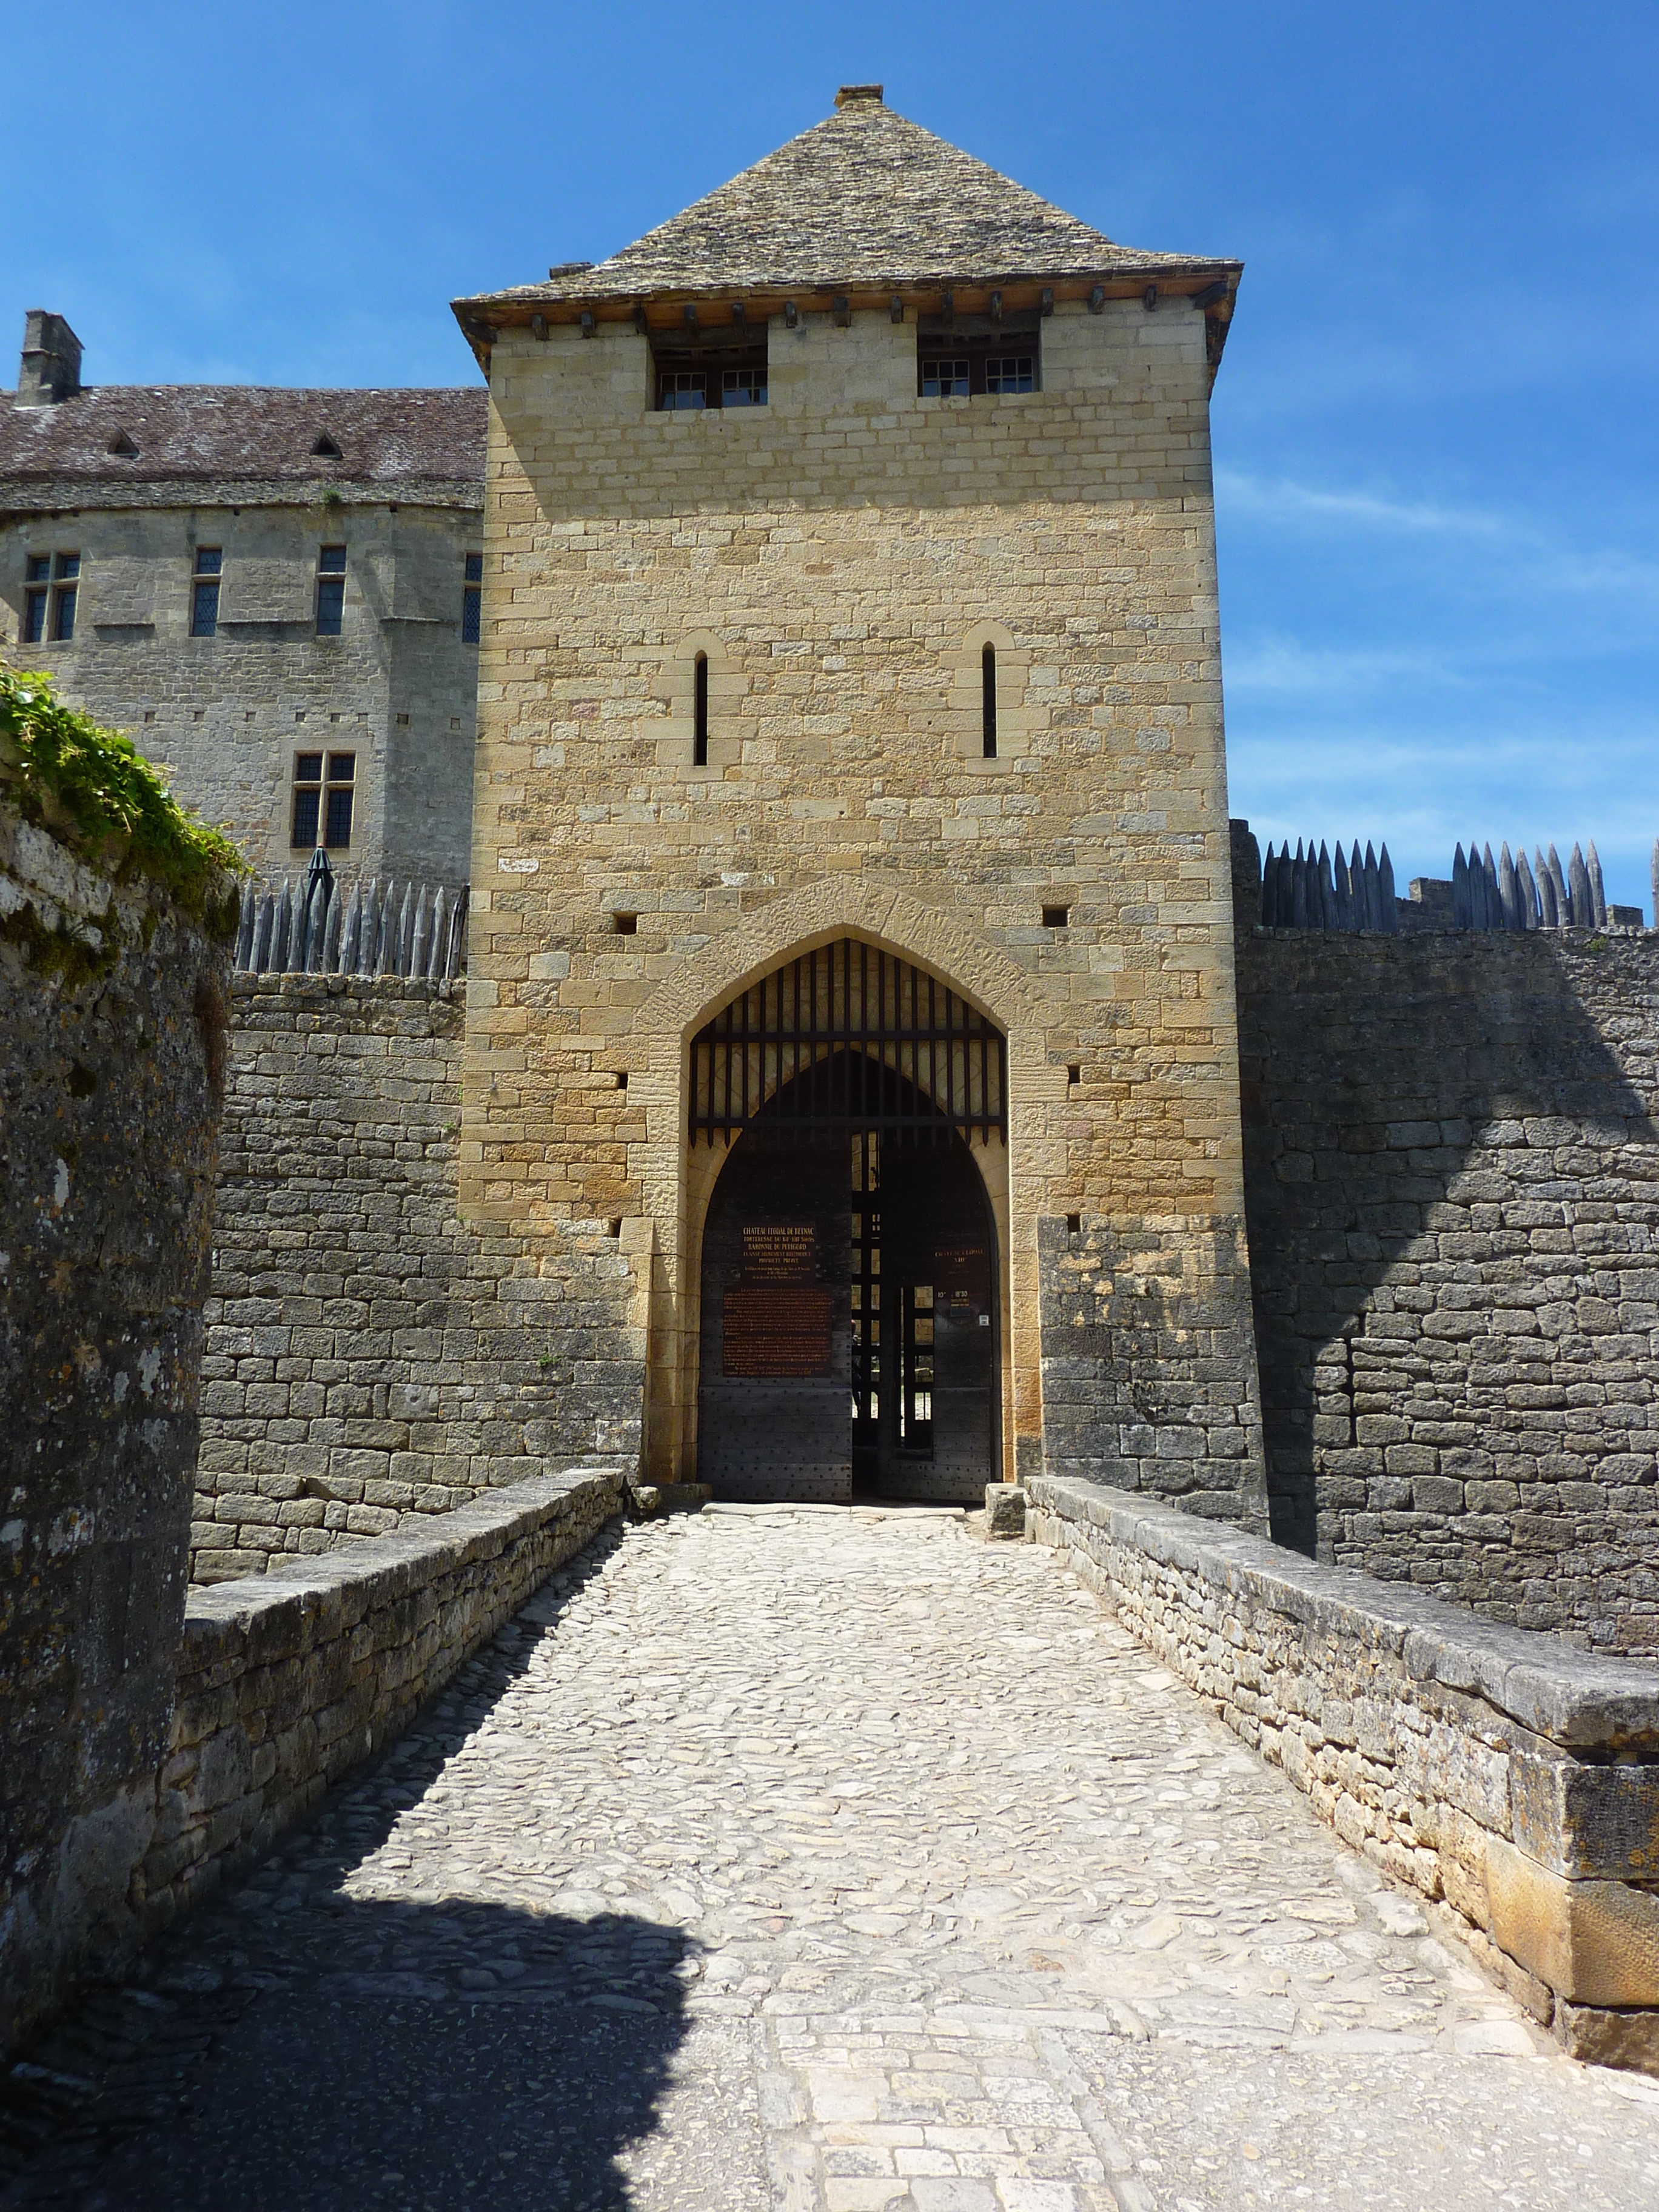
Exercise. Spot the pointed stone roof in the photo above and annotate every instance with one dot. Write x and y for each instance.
(865, 200)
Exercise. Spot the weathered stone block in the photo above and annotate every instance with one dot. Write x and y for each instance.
(1004, 1511)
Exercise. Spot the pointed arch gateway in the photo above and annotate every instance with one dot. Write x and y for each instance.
(849, 1264)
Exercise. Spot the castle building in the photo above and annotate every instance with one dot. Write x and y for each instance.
(852, 929)
(277, 592)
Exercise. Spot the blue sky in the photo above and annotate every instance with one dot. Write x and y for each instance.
(1435, 428)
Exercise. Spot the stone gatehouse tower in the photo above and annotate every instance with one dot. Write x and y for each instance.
(852, 928)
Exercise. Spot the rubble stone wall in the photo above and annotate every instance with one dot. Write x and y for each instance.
(367, 1356)
(1497, 1771)
(1452, 1191)
(111, 1018)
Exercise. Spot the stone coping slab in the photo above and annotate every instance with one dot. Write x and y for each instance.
(290, 1680)
(1539, 1680)
(1505, 1774)
(318, 1593)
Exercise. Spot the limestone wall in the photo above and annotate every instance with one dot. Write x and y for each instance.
(112, 1021)
(1498, 1771)
(367, 1356)
(1452, 1188)
(842, 556)
(228, 714)
(288, 1681)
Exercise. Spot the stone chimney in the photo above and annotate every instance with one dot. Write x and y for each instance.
(50, 368)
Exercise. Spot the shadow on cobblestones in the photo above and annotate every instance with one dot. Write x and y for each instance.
(371, 2075)
(300, 2043)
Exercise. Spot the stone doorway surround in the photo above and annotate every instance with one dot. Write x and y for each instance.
(664, 1245)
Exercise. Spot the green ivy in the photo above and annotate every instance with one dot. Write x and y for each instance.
(95, 792)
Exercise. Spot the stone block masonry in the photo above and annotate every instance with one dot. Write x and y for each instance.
(841, 558)
(112, 1027)
(288, 1680)
(197, 519)
(368, 1355)
(1495, 1770)
(1452, 1190)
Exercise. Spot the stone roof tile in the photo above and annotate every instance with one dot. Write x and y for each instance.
(864, 198)
(219, 433)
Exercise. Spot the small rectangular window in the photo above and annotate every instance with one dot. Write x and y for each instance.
(475, 567)
(710, 369)
(944, 379)
(49, 603)
(970, 354)
(472, 600)
(330, 590)
(307, 799)
(204, 591)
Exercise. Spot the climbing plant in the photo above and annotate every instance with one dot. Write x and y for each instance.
(93, 790)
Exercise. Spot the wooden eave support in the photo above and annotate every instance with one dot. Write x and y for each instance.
(1211, 285)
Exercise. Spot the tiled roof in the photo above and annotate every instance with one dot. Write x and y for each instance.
(866, 198)
(220, 433)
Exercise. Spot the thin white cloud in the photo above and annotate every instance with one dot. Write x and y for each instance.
(1280, 499)
(1283, 667)
(1523, 558)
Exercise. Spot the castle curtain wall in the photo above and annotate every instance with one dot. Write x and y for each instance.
(1452, 1154)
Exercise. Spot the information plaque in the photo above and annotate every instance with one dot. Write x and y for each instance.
(962, 1281)
(779, 1252)
(778, 1331)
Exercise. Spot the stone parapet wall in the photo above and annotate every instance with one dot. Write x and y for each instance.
(111, 1025)
(288, 1680)
(368, 1355)
(1500, 1771)
(1452, 1194)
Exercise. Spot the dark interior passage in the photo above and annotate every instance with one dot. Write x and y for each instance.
(849, 1337)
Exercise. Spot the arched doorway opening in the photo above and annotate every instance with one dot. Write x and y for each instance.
(850, 1334)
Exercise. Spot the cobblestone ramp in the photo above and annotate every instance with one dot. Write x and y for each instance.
(818, 1859)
